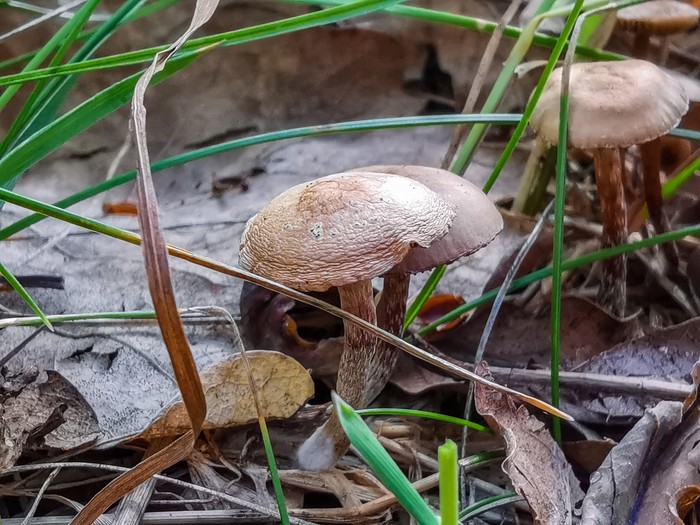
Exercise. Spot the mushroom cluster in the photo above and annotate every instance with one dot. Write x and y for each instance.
(615, 105)
(342, 231)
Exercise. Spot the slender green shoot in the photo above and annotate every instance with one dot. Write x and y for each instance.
(381, 463)
(405, 412)
(488, 504)
(22, 292)
(569, 264)
(522, 45)
(472, 24)
(142, 12)
(230, 38)
(307, 131)
(424, 294)
(274, 473)
(449, 483)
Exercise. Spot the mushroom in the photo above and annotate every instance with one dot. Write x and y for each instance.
(658, 17)
(614, 105)
(343, 230)
(476, 224)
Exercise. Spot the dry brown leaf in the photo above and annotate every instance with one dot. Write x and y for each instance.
(162, 293)
(283, 386)
(611, 495)
(682, 501)
(49, 411)
(674, 469)
(534, 462)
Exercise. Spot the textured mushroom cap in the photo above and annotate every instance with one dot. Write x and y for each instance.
(658, 17)
(476, 224)
(611, 104)
(341, 229)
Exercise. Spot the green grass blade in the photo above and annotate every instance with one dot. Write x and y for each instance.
(41, 55)
(274, 473)
(522, 45)
(406, 412)
(22, 292)
(49, 138)
(489, 504)
(449, 486)
(425, 292)
(142, 12)
(46, 107)
(672, 186)
(239, 36)
(569, 264)
(381, 463)
(307, 131)
(30, 111)
(534, 98)
(471, 23)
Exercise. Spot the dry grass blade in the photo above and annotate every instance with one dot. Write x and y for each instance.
(162, 294)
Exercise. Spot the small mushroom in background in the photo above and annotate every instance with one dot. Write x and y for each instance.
(476, 224)
(343, 230)
(615, 105)
(656, 18)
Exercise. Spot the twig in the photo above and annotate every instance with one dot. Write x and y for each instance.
(599, 382)
(113, 468)
(39, 495)
(47, 16)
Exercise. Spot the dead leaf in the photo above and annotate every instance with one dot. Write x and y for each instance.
(669, 353)
(611, 496)
(521, 337)
(49, 412)
(535, 464)
(588, 454)
(283, 387)
(683, 501)
(670, 472)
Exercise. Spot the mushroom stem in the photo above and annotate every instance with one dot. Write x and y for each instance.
(391, 312)
(640, 47)
(651, 169)
(533, 184)
(329, 443)
(360, 346)
(613, 208)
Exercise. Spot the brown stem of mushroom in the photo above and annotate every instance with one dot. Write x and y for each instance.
(329, 442)
(640, 47)
(651, 169)
(613, 208)
(391, 312)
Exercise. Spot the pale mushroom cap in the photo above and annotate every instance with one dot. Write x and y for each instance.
(341, 229)
(611, 104)
(691, 85)
(658, 17)
(476, 224)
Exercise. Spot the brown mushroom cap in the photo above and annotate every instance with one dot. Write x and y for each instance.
(658, 17)
(611, 104)
(476, 224)
(341, 229)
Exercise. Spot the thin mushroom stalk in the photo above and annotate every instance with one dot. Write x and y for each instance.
(651, 169)
(613, 209)
(329, 442)
(391, 311)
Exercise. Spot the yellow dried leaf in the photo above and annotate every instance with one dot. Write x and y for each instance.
(282, 387)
